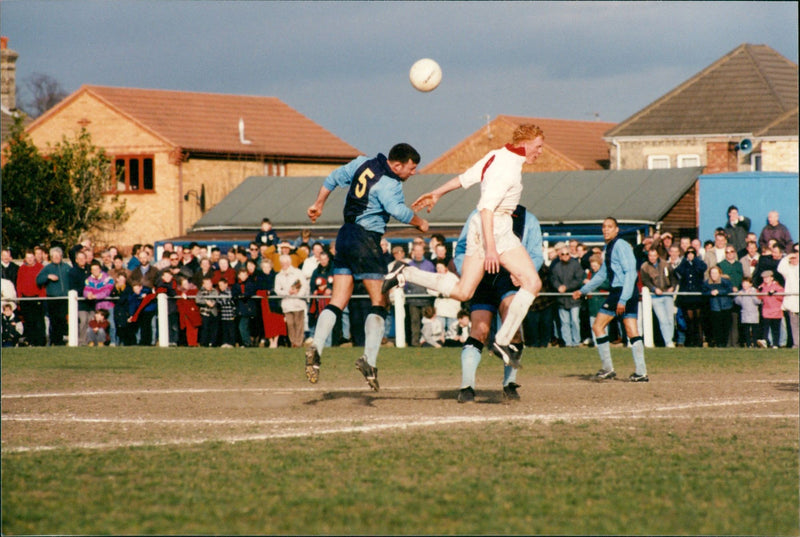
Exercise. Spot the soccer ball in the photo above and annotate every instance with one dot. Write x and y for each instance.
(425, 75)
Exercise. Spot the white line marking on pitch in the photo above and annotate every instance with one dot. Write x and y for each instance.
(402, 423)
(283, 390)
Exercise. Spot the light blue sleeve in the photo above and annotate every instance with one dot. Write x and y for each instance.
(532, 240)
(625, 267)
(390, 195)
(596, 281)
(343, 175)
(461, 244)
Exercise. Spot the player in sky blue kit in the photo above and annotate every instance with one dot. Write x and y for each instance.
(619, 266)
(494, 295)
(375, 193)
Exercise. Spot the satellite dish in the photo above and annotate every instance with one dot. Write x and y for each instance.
(745, 146)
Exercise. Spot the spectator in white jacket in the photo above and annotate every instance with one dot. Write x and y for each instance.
(291, 284)
(788, 267)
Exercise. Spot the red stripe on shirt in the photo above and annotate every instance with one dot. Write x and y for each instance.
(486, 167)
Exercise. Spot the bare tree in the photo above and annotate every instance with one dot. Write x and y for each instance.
(45, 93)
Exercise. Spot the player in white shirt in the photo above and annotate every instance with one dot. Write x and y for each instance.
(491, 242)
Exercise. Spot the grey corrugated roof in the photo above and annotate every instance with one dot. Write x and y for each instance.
(577, 196)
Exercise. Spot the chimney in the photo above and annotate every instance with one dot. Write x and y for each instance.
(8, 76)
(721, 157)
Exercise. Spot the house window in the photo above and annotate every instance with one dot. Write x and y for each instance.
(657, 162)
(133, 174)
(755, 162)
(688, 161)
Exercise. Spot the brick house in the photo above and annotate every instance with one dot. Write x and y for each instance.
(178, 153)
(749, 94)
(568, 145)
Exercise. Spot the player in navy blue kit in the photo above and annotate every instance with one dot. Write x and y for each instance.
(494, 295)
(375, 193)
(619, 266)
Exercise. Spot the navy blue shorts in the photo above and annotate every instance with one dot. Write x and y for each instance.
(609, 306)
(491, 291)
(359, 254)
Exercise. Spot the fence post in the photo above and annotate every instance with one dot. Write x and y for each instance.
(72, 316)
(399, 318)
(163, 320)
(647, 317)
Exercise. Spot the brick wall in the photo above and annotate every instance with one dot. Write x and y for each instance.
(721, 157)
(163, 213)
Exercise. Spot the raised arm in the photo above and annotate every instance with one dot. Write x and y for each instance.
(429, 199)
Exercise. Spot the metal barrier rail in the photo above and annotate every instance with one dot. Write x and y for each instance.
(398, 295)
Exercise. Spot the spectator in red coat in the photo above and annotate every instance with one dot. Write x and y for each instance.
(32, 311)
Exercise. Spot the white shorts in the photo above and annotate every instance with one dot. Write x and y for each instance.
(504, 237)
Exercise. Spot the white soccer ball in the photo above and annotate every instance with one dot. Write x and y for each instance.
(425, 74)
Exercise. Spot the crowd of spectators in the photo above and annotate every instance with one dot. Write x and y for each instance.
(739, 289)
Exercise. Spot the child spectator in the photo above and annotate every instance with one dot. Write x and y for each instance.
(227, 315)
(749, 302)
(771, 312)
(98, 331)
(243, 292)
(446, 308)
(719, 288)
(189, 318)
(12, 327)
(142, 307)
(458, 333)
(432, 334)
(209, 313)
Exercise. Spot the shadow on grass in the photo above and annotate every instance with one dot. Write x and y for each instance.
(368, 398)
(588, 378)
(482, 397)
(787, 386)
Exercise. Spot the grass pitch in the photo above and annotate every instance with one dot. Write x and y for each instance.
(198, 441)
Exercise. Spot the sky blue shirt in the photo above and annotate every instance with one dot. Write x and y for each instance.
(374, 180)
(531, 240)
(623, 270)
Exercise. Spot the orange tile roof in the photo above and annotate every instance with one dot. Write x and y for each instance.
(580, 143)
(209, 122)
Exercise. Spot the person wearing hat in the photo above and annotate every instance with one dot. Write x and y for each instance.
(662, 243)
(274, 253)
(691, 275)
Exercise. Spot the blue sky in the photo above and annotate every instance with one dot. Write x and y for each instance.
(345, 64)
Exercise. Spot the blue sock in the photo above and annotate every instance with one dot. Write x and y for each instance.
(470, 358)
(604, 350)
(637, 349)
(325, 324)
(374, 328)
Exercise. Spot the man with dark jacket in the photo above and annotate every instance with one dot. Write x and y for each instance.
(775, 230)
(54, 277)
(566, 275)
(737, 228)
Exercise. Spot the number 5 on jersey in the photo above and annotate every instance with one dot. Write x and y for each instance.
(361, 187)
